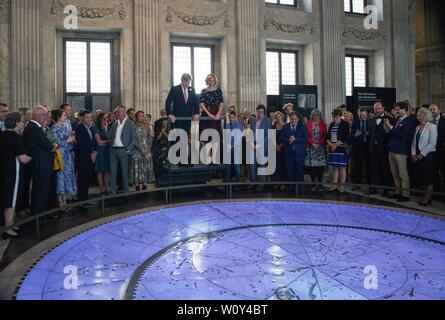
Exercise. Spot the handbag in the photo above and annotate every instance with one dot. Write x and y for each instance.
(58, 161)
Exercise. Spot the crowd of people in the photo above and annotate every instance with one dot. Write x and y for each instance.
(49, 157)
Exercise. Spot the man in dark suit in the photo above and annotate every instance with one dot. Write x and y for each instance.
(233, 144)
(439, 121)
(182, 102)
(42, 152)
(360, 148)
(402, 134)
(379, 148)
(295, 139)
(85, 154)
(3, 112)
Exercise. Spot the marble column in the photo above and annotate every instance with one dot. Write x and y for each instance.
(403, 47)
(250, 50)
(333, 51)
(147, 64)
(4, 52)
(25, 53)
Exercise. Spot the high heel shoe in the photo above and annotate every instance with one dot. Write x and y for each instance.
(425, 204)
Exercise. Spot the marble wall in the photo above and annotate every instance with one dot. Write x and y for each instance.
(31, 31)
(430, 52)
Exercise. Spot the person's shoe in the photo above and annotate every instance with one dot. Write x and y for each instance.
(55, 216)
(425, 204)
(67, 210)
(404, 199)
(24, 214)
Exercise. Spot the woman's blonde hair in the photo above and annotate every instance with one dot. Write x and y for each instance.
(212, 75)
(278, 113)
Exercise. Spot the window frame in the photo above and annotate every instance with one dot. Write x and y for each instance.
(352, 56)
(88, 94)
(192, 58)
(295, 5)
(365, 3)
(280, 68)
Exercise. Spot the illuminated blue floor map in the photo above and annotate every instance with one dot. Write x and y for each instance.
(249, 251)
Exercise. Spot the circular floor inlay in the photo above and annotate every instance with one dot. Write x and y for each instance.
(249, 250)
(289, 262)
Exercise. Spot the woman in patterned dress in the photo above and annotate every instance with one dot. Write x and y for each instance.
(338, 140)
(212, 104)
(316, 150)
(66, 179)
(161, 146)
(142, 171)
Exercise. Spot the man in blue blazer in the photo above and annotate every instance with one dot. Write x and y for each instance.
(182, 102)
(295, 138)
(261, 122)
(85, 154)
(402, 134)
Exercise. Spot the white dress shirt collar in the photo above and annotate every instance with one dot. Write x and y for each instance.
(38, 124)
(119, 123)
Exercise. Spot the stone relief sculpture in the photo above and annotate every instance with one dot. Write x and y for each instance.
(289, 28)
(365, 35)
(92, 13)
(197, 20)
(3, 4)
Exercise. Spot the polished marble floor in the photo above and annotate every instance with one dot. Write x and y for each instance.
(255, 250)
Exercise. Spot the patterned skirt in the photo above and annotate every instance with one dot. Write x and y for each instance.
(315, 158)
(141, 170)
(339, 158)
(66, 179)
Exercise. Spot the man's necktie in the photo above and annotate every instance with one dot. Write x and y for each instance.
(363, 131)
(186, 95)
